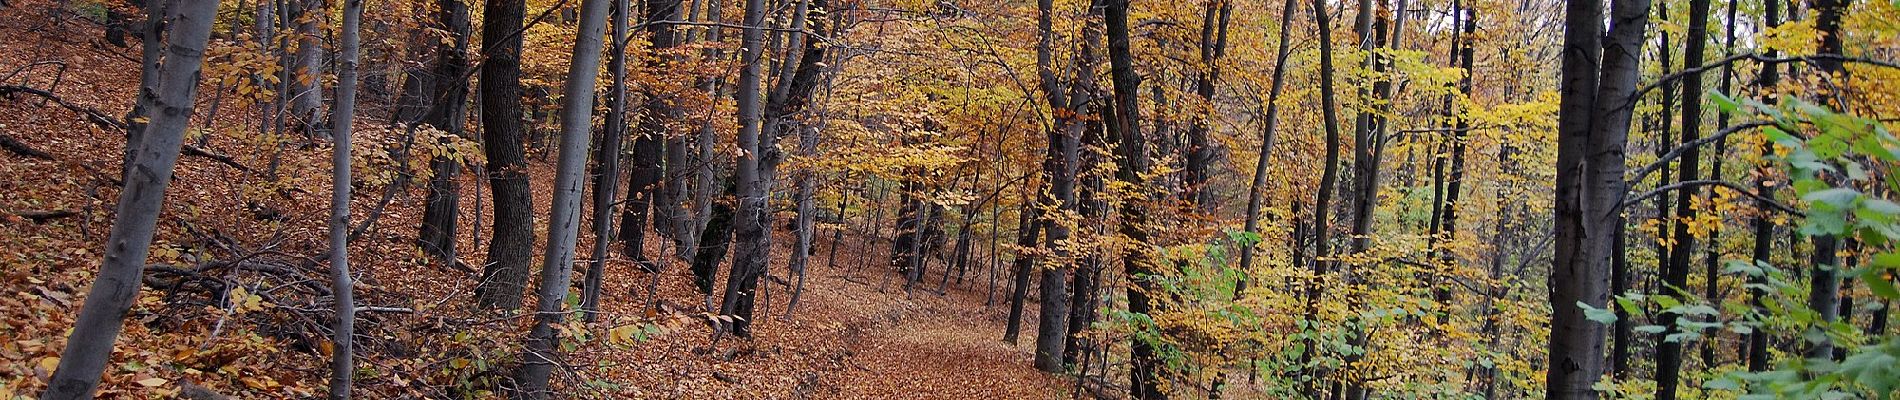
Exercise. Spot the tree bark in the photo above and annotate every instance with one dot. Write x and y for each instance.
(306, 85)
(443, 205)
(1270, 128)
(1028, 228)
(342, 357)
(541, 348)
(1322, 206)
(1676, 276)
(89, 346)
(505, 274)
(758, 168)
(1762, 226)
(1145, 373)
(1593, 126)
(606, 175)
(1198, 152)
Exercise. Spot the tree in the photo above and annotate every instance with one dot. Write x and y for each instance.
(1676, 276)
(505, 273)
(448, 113)
(342, 364)
(1322, 206)
(607, 166)
(1145, 374)
(1598, 87)
(577, 109)
(89, 346)
(757, 169)
(306, 83)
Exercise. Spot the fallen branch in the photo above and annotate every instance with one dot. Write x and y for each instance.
(15, 146)
(104, 121)
(40, 217)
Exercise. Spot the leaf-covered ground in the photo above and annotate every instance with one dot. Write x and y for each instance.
(235, 304)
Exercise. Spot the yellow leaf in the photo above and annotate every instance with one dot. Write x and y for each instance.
(152, 382)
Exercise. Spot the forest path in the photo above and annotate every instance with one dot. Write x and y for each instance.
(855, 335)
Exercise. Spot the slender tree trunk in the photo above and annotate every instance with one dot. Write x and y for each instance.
(505, 273)
(442, 204)
(542, 352)
(1762, 226)
(1676, 276)
(1028, 228)
(714, 240)
(1712, 253)
(1256, 191)
(89, 346)
(1199, 151)
(342, 357)
(151, 50)
(606, 174)
(306, 88)
(1145, 374)
(751, 256)
(1824, 282)
(1322, 207)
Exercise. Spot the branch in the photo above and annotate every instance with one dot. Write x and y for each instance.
(91, 115)
(1764, 200)
(40, 217)
(1692, 145)
(15, 146)
(1758, 58)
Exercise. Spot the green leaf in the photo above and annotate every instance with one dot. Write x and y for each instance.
(1839, 198)
(1600, 315)
(1877, 282)
(1724, 103)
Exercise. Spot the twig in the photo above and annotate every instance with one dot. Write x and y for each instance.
(1692, 145)
(1770, 202)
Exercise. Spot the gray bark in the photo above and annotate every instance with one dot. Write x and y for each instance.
(89, 347)
(342, 358)
(577, 108)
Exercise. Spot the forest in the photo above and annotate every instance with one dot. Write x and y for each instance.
(949, 199)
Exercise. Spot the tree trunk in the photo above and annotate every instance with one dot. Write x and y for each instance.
(1762, 226)
(1676, 276)
(505, 273)
(448, 113)
(1712, 253)
(1199, 153)
(606, 174)
(1270, 128)
(758, 168)
(714, 240)
(306, 86)
(342, 357)
(151, 50)
(89, 346)
(542, 352)
(1145, 374)
(1593, 126)
(702, 172)
(1322, 206)
(1824, 292)
(1028, 226)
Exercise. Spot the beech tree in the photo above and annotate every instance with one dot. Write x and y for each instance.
(577, 109)
(89, 346)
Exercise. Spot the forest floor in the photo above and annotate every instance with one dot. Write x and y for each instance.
(258, 328)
